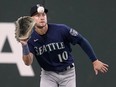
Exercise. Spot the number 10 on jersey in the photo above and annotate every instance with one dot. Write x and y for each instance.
(63, 56)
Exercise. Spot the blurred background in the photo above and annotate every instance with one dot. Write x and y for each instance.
(94, 19)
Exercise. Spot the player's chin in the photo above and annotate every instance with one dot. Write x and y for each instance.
(41, 26)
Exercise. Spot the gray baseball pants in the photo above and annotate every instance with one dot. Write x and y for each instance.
(61, 79)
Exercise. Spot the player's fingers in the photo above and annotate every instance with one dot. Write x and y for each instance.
(96, 71)
(106, 65)
(102, 71)
(105, 69)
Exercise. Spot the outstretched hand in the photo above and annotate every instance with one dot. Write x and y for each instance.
(100, 67)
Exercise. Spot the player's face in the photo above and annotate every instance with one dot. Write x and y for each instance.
(41, 19)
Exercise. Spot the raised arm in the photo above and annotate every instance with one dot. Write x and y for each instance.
(27, 55)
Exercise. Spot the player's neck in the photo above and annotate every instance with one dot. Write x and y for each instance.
(41, 31)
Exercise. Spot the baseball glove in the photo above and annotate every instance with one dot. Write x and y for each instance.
(24, 27)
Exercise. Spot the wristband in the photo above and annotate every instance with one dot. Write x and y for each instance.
(25, 50)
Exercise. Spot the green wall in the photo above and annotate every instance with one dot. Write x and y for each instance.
(94, 19)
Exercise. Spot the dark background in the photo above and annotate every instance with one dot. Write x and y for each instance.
(94, 19)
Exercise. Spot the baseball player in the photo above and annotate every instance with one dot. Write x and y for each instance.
(50, 44)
